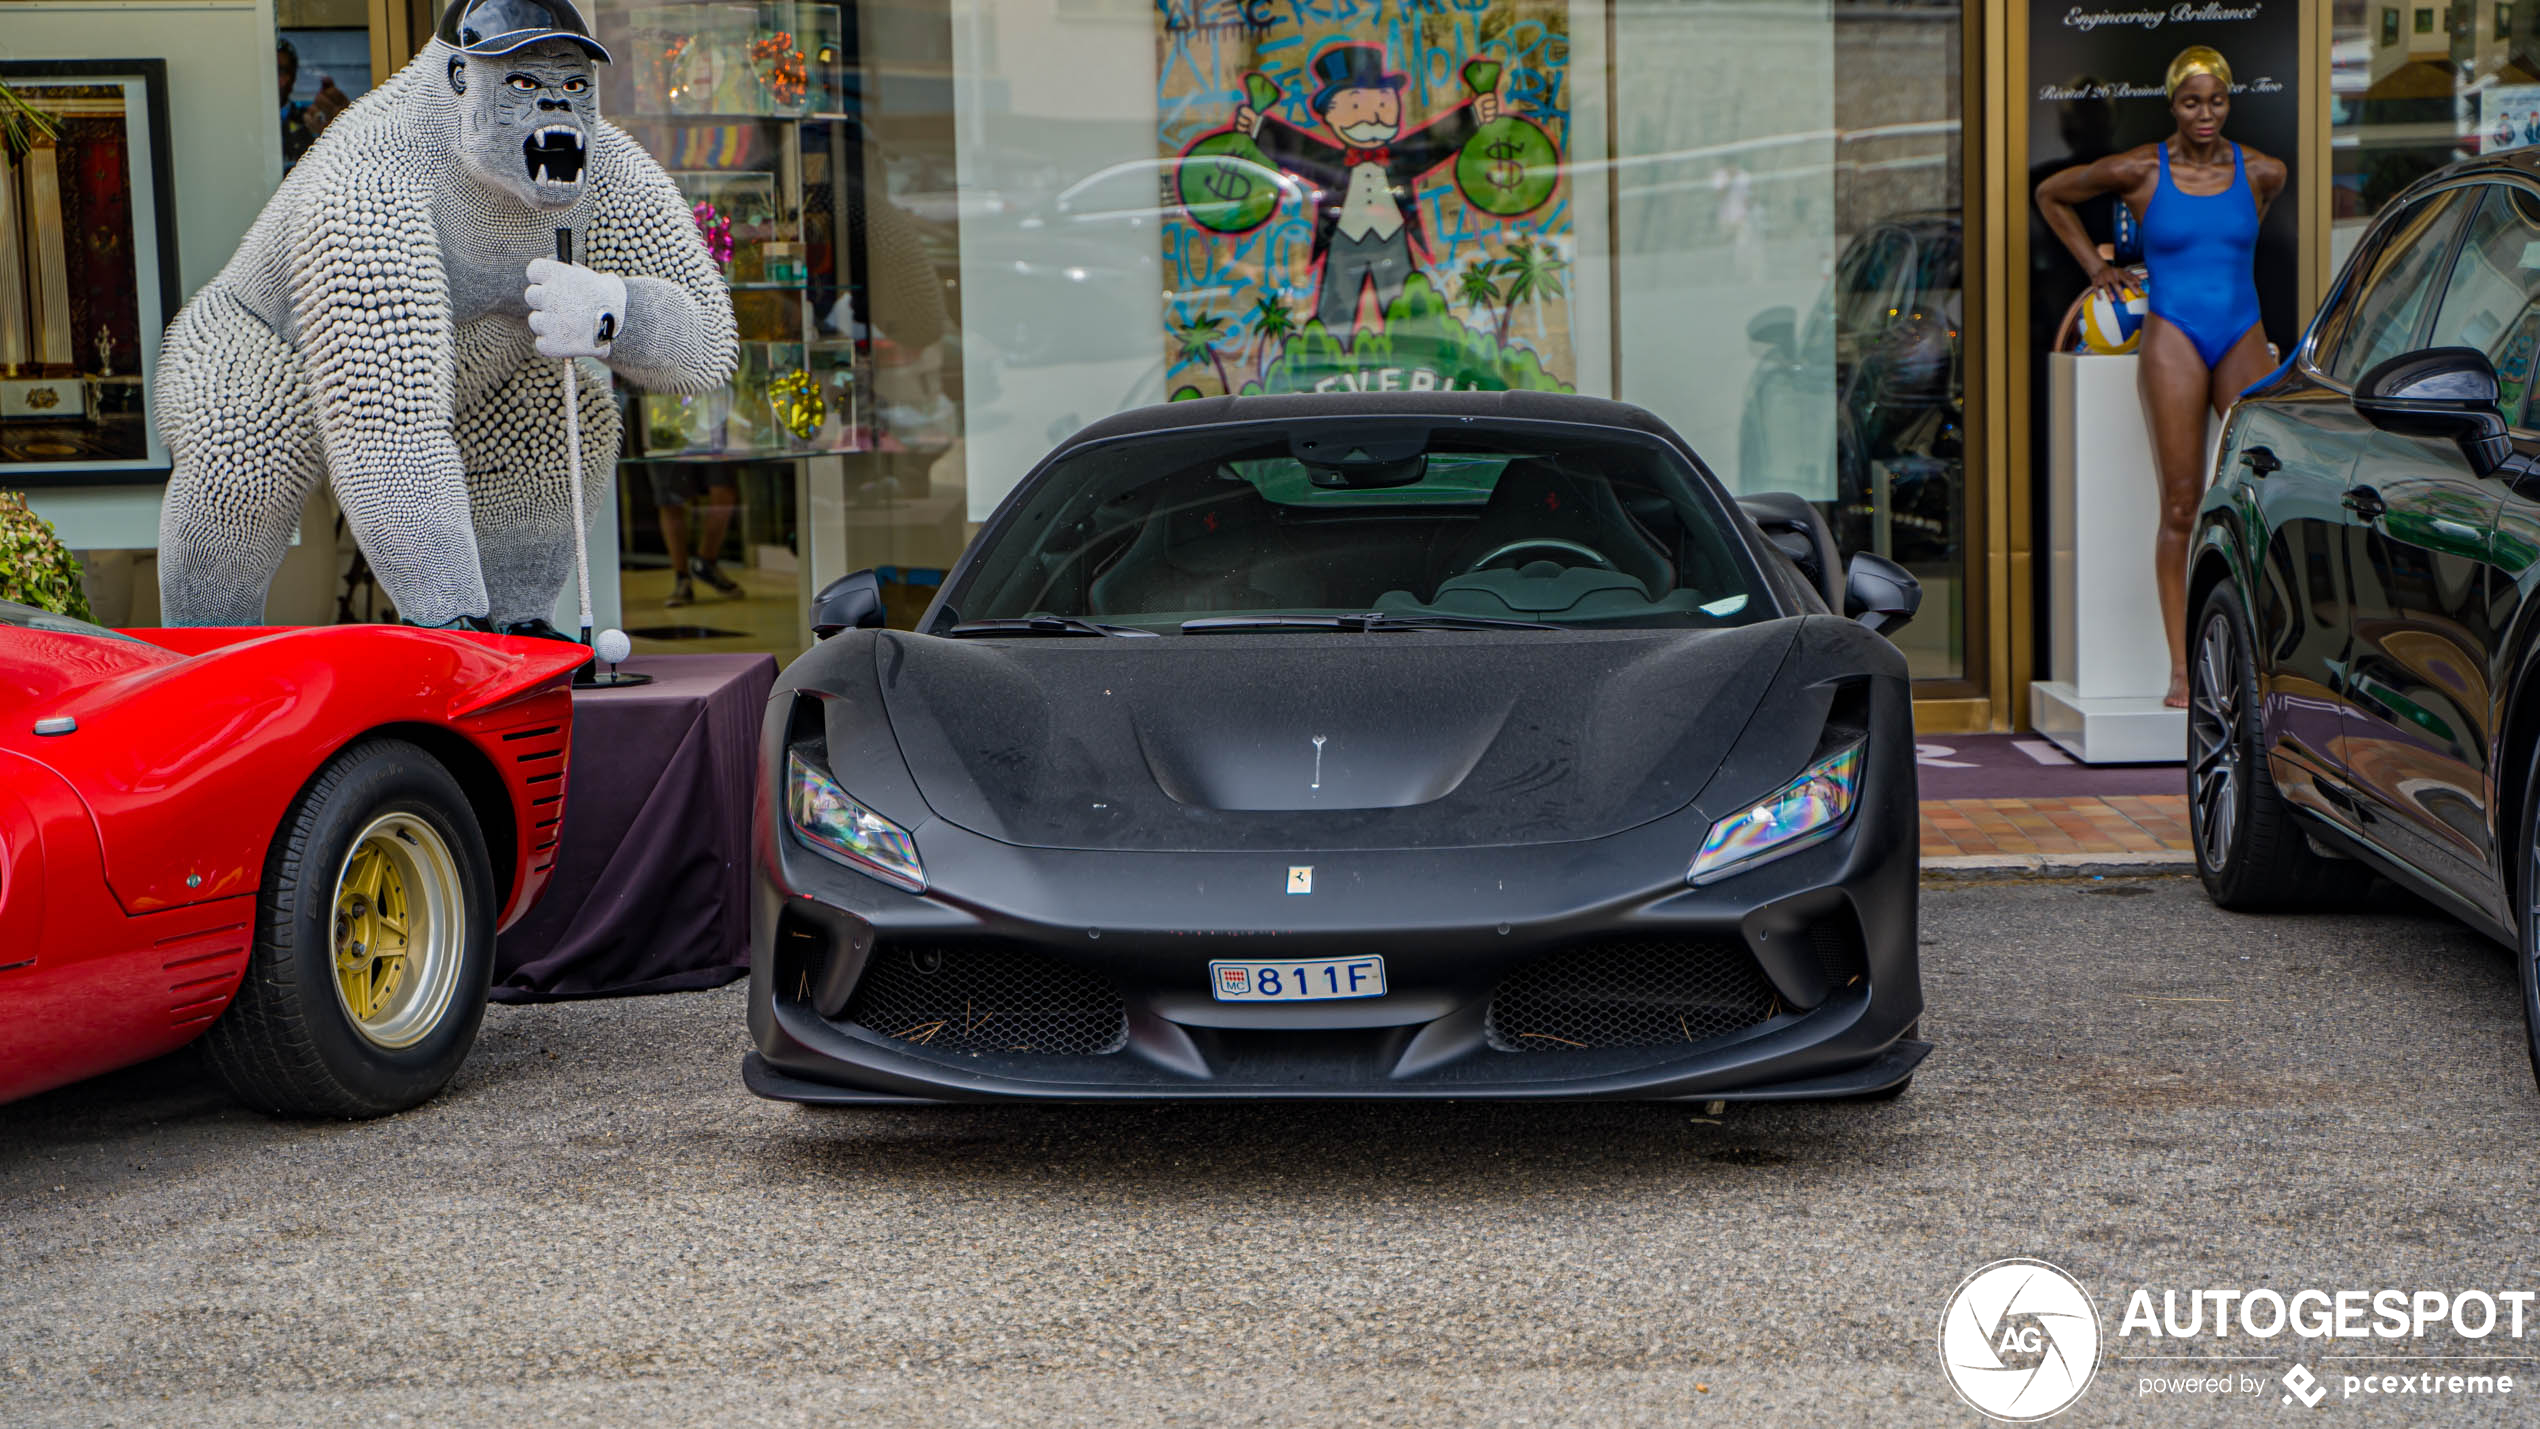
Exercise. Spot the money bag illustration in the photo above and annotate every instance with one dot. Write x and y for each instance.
(1224, 181)
(1509, 166)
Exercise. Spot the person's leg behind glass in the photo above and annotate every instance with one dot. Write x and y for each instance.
(714, 519)
(670, 505)
(2175, 387)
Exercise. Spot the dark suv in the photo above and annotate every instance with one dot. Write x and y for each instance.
(2360, 591)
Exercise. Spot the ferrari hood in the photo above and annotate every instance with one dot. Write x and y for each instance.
(1304, 739)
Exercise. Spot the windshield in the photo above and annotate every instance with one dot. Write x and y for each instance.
(27, 617)
(1416, 518)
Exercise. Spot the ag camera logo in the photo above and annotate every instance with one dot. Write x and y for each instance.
(2019, 1340)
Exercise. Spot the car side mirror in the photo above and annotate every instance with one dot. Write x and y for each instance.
(1775, 332)
(851, 602)
(2447, 393)
(1879, 593)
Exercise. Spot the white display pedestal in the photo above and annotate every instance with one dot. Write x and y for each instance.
(2112, 660)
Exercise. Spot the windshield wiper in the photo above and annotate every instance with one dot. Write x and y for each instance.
(1043, 625)
(1370, 620)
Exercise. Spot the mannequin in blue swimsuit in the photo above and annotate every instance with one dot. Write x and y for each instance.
(2199, 198)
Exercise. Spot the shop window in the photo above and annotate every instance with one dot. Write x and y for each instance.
(2400, 111)
(323, 56)
(1747, 218)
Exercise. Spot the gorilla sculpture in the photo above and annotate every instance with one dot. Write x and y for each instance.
(383, 322)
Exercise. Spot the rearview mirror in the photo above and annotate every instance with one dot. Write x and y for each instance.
(1879, 593)
(851, 602)
(2447, 393)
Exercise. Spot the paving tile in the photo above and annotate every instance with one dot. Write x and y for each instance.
(2066, 825)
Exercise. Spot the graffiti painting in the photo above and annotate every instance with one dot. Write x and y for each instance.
(1368, 196)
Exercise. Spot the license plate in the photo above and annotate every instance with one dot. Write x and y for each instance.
(1319, 981)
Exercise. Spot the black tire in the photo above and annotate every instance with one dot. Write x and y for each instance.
(2249, 851)
(2528, 945)
(290, 1042)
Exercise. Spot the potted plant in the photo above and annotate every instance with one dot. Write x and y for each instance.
(35, 567)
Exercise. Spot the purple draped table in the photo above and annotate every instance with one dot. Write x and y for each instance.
(651, 888)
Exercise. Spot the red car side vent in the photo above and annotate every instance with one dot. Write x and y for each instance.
(202, 966)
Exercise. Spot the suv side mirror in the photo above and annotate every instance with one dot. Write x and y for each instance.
(851, 602)
(2443, 392)
(1879, 593)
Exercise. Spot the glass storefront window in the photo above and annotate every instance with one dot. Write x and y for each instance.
(322, 50)
(1745, 218)
(958, 230)
(2407, 100)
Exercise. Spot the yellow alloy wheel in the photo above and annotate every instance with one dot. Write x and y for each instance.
(400, 930)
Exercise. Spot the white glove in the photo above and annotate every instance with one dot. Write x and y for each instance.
(575, 311)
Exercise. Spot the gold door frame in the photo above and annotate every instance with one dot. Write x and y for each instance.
(1994, 70)
(398, 28)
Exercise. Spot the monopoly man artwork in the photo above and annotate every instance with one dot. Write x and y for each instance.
(1368, 204)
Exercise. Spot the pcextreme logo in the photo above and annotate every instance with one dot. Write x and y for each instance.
(2019, 1340)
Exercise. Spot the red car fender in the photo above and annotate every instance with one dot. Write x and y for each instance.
(188, 767)
(86, 989)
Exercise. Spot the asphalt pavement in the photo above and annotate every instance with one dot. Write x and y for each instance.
(596, 1224)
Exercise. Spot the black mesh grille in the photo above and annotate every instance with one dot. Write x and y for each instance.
(991, 998)
(1629, 992)
(1836, 939)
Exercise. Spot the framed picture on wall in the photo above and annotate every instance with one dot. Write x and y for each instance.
(87, 269)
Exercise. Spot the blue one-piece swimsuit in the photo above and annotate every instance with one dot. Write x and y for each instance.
(2198, 251)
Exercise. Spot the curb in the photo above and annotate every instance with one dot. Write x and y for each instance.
(1978, 867)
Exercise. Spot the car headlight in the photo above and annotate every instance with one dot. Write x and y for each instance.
(1807, 810)
(832, 821)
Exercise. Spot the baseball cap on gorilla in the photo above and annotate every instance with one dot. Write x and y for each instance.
(498, 27)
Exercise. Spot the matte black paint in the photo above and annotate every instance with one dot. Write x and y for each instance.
(1133, 805)
(1430, 740)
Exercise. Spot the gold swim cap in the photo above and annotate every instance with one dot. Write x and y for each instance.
(2196, 60)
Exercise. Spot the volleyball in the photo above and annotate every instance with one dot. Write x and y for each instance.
(2111, 326)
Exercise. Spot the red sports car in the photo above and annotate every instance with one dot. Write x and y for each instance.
(296, 845)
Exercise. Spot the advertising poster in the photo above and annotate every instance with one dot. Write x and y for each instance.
(1366, 197)
(2508, 117)
(2096, 75)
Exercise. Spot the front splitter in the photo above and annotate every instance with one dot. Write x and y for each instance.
(1882, 1073)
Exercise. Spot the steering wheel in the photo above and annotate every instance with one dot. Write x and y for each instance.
(1589, 554)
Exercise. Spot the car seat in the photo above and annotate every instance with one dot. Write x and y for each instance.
(1799, 532)
(1198, 550)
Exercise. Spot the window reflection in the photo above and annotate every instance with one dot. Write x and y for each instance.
(1746, 218)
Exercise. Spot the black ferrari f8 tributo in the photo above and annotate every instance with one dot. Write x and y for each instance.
(1412, 745)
